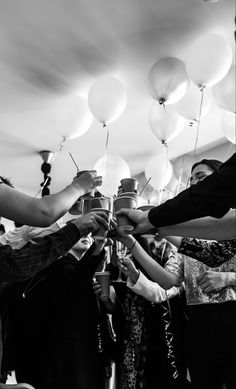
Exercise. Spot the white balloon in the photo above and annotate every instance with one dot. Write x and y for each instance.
(160, 170)
(168, 80)
(112, 168)
(189, 105)
(73, 116)
(224, 92)
(107, 99)
(165, 122)
(182, 168)
(228, 126)
(209, 60)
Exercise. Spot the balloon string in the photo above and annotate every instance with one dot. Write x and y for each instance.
(180, 175)
(145, 186)
(106, 147)
(199, 120)
(160, 196)
(60, 148)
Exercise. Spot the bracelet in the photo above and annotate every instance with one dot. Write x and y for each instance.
(131, 248)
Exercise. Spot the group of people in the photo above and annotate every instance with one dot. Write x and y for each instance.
(60, 323)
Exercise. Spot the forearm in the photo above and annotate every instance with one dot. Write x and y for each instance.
(205, 228)
(213, 196)
(150, 290)
(158, 274)
(29, 210)
(18, 265)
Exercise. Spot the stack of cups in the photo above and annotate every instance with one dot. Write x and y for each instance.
(128, 198)
(101, 204)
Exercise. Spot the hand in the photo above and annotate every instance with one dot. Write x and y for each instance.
(140, 218)
(120, 235)
(98, 247)
(127, 267)
(86, 180)
(98, 291)
(91, 222)
(211, 280)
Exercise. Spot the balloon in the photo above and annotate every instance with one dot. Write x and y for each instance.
(209, 60)
(73, 116)
(228, 126)
(107, 99)
(189, 105)
(112, 168)
(165, 122)
(167, 80)
(160, 170)
(172, 184)
(210, 1)
(182, 168)
(224, 91)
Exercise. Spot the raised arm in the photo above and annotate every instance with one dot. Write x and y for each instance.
(204, 228)
(42, 212)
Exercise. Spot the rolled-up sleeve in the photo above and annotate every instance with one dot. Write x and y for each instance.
(151, 290)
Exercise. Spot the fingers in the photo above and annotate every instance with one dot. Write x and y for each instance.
(123, 211)
(101, 218)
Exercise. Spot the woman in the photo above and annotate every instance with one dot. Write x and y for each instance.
(211, 298)
(149, 345)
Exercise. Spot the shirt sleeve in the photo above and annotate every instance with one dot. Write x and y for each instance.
(213, 196)
(18, 265)
(151, 290)
(211, 253)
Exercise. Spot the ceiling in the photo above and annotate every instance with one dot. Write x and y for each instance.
(56, 49)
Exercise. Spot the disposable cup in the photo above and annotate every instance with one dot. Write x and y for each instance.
(133, 195)
(76, 208)
(129, 184)
(123, 222)
(100, 202)
(101, 233)
(103, 278)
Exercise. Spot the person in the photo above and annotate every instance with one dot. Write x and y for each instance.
(211, 297)
(44, 211)
(56, 331)
(214, 196)
(18, 265)
(148, 353)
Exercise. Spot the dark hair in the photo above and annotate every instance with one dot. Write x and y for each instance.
(214, 164)
(2, 228)
(6, 181)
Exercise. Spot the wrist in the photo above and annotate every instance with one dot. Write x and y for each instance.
(134, 276)
(131, 245)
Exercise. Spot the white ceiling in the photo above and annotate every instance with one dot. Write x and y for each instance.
(55, 48)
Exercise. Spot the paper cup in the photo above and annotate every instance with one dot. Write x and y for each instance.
(103, 278)
(123, 221)
(101, 233)
(76, 208)
(133, 195)
(129, 184)
(100, 202)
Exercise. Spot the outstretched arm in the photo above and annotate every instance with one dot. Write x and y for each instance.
(204, 228)
(42, 212)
